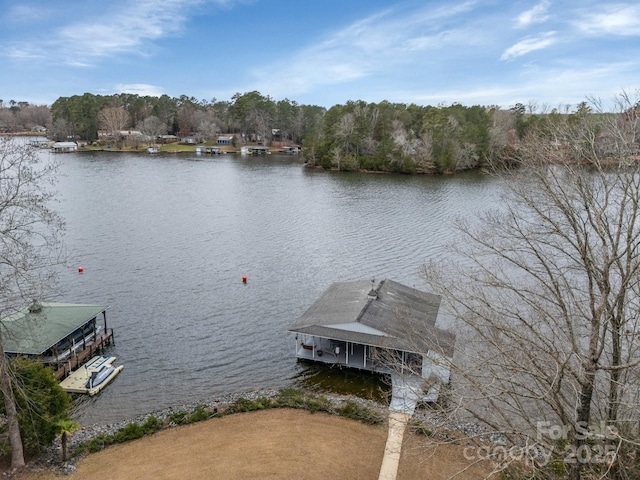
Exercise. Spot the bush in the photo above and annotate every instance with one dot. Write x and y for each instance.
(317, 404)
(132, 431)
(40, 401)
(246, 405)
(200, 414)
(151, 425)
(356, 411)
(419, 429)
(289, 398)
(178, 418)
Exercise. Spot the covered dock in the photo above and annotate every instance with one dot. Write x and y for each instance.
(61, 335)
(254, 150)
(386, 328)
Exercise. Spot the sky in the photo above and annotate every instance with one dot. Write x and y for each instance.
(323, 52)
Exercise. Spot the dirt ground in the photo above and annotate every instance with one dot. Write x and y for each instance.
(271, 444)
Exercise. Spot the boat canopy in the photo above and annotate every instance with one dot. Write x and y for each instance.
(39, 326)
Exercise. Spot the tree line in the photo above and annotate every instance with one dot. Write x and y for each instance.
(384, 136)
(544, 290)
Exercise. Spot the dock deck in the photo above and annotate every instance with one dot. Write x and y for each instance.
(76, 381)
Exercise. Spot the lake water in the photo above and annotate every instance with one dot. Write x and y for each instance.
(165, 240)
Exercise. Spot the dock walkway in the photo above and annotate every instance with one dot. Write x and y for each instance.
(406, 392)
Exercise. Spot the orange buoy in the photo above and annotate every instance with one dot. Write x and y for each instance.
(244, 279)
(80, 269)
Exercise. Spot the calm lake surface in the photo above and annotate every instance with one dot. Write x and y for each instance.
(165, 240)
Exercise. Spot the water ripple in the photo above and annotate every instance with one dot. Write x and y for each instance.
(165, 241)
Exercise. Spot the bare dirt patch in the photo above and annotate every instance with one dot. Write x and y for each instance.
(272, 444)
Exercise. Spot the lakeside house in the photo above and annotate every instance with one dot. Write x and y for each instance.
(165, 139)
(387, 328)
(61, 335)
(225, 140)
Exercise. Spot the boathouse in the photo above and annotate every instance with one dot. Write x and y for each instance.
(254, 150)
(61, 335)
(386, 328)
(64, 147)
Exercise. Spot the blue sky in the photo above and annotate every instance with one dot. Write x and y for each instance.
(323, 52)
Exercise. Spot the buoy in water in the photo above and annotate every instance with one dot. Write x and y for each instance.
(244, 279)
(80, 269)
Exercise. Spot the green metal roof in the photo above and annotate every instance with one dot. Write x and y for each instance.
(30, 332)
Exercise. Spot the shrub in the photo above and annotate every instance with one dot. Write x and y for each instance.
(40, 401)
(356, 411)
(246, 405)
(289, 398)
(200, 413)
(178, 418)
(132, 431)
(317, 404)
(419, 429)
(151, 425)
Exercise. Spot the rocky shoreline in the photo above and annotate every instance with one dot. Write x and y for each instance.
(50, 460)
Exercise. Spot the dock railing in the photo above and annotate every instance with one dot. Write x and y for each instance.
(76, 359)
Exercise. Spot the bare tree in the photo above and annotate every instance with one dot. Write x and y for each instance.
(30, 245)
(152, 127)
(547, 293)
(62, 130)
(113, 119)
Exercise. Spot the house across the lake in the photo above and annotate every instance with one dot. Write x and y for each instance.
(61, 335)
(225, 140)
(385, 328)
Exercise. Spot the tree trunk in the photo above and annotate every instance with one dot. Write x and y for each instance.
(17, 452)
(63, 441)
(583, 415)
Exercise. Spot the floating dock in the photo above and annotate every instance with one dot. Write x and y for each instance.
(77, 380)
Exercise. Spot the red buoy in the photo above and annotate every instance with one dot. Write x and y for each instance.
(80, 269)
(244, 279)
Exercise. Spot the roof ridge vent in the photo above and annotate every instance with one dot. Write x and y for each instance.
(35, 307)
(373, 293)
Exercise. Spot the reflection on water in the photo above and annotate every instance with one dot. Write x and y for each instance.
(343, 381)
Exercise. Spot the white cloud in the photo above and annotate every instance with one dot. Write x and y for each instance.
(376, 44)
(613, 19)
(529, 44)
(537, 14)
(25, 13)
(141, 89)
(121, 27)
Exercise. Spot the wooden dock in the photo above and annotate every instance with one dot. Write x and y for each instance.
(77, 359)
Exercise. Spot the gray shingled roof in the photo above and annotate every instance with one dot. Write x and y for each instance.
(400, 317)
(33, 333)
